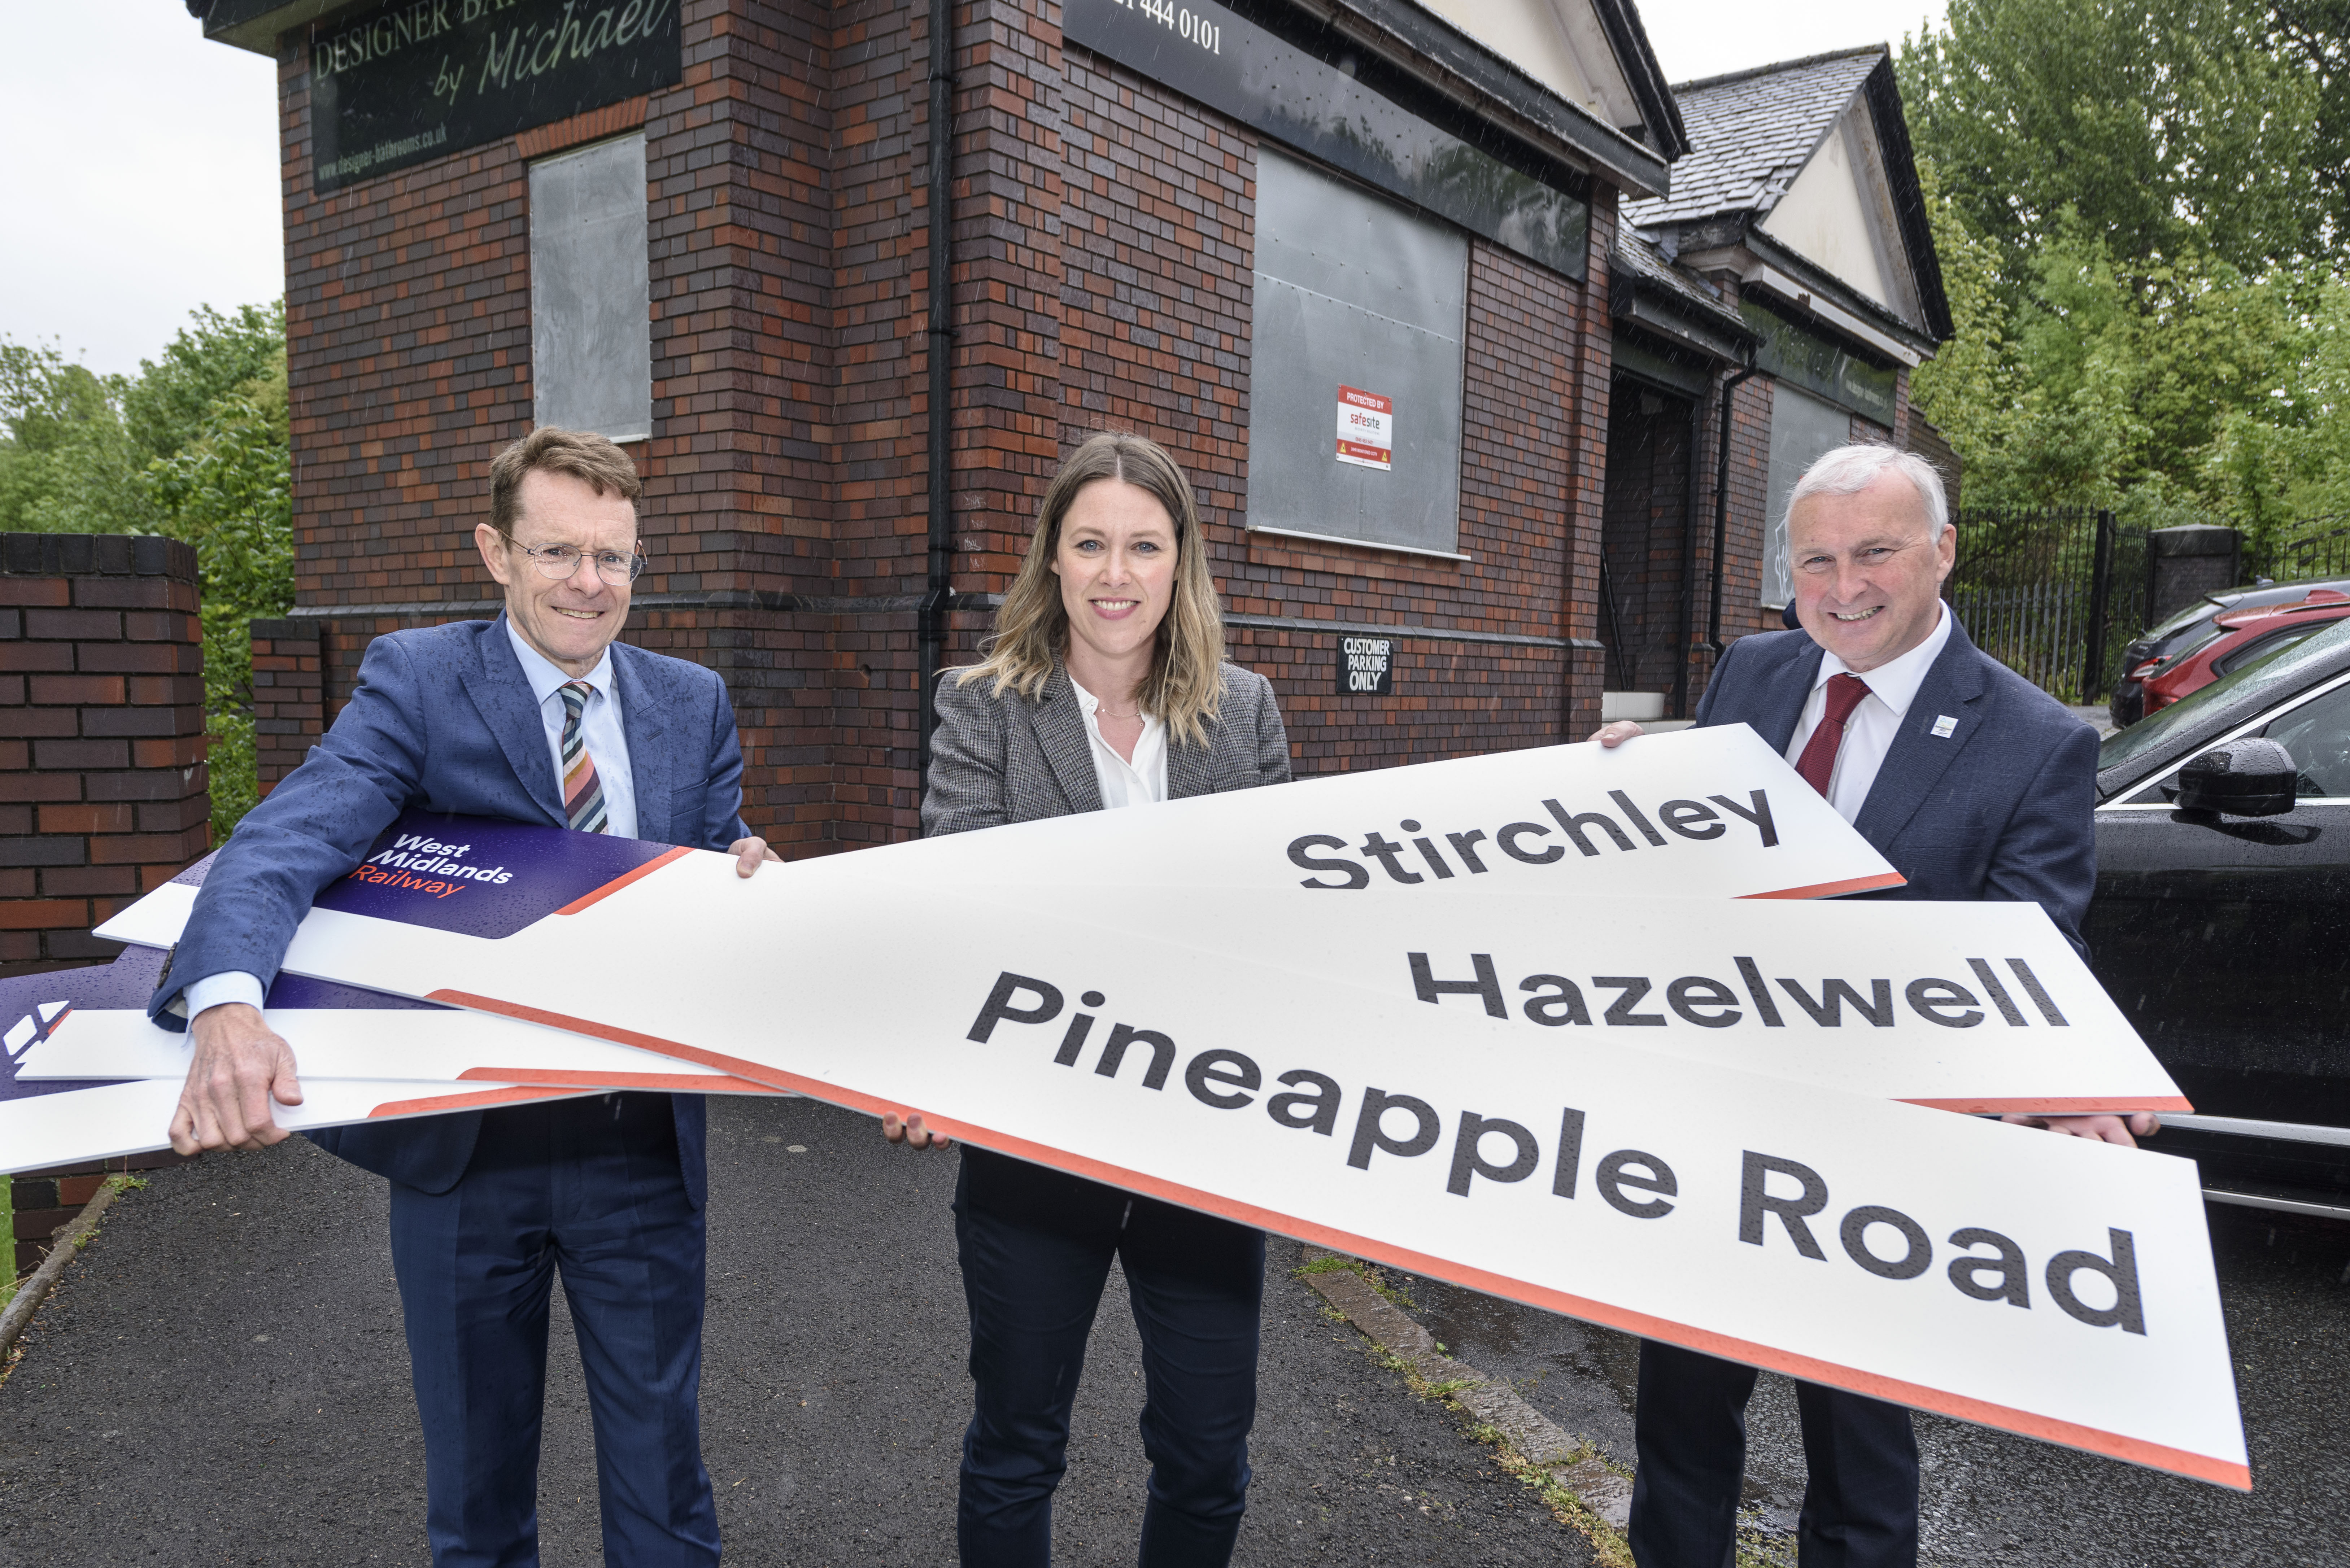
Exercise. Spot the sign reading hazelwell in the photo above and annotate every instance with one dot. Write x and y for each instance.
(419, 79)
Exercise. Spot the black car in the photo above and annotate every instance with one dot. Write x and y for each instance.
(2190, 629)
(2222, 922)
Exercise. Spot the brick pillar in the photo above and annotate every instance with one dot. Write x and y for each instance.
(102, 787)
(289, 695)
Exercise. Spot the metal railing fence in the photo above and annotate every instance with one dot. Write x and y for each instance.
(2051, 592)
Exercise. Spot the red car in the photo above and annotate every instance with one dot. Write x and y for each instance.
(2234, 640)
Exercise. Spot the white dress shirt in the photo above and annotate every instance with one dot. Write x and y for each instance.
(1868, 733)
(1143, 781)
(600, 727)
(606, 741)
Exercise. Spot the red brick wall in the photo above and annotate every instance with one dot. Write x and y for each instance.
(1159, 248)
(1103, 241)
(102, 786)
(288, 695)
(47, 1201)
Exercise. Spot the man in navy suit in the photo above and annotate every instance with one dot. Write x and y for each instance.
(1975, 785)
(538, 716)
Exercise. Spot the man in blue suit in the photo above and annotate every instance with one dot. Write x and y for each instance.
(538, 716)
(1975, 785)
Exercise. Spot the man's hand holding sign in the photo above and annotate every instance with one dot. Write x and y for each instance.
(540, 716)
(1448, 1020)
(1975, 784)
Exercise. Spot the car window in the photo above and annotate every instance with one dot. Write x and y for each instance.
(2317, 734)
(2151, 732)
(2202, 609)
(2191, 645)
(2261, 647)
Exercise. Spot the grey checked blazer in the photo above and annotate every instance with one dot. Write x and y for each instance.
(995, 760)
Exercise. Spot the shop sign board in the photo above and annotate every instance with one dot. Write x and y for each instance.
(416, 81)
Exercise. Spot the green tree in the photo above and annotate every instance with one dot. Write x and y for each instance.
(2166, 127)
(229, 492)
(169, 407)
(66, 465)
(2140, 235)
(195, 446)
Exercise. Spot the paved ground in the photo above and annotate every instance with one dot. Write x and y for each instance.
(221, 1379)
(1992, 1499)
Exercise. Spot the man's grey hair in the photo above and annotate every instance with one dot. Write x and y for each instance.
(1849, 470)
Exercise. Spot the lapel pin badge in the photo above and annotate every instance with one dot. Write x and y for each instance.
(1943, 727)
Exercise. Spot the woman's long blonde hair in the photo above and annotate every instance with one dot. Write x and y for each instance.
(1032, 629)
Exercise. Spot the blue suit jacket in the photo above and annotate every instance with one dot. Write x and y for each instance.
(2000, 809)
(442, 721)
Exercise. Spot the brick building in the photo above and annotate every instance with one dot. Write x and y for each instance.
(705, 228)
(102, 788)
(1798, 215)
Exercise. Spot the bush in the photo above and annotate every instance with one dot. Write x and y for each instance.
(195, 446)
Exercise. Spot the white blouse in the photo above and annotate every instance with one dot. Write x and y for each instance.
(1143, 781)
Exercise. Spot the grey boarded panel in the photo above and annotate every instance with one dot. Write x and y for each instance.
(1379, 306)
(1804, 429)
(1337, 239)
(590, 311)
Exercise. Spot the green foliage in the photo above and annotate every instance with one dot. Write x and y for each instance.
(2141, 235)
(2164, 126)
(66, 465)
(196, 446)
(230, 494)
(169, 407)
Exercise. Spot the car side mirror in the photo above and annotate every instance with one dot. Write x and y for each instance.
(2243, 778)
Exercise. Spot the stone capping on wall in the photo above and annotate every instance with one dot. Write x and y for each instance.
(103, 793)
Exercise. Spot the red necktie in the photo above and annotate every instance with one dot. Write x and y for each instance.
(1817, 765)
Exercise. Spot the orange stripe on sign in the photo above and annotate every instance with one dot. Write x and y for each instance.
(617, 883)
(2059, 1106)
(2069, 1434)
(463, 1102)
(1830, 890)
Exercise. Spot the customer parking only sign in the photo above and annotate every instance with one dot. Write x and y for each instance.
(1367, 666)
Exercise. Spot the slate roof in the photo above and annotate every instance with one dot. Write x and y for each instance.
(1648, 264)
(1751, 132)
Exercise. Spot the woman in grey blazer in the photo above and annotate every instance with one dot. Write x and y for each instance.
(1104, 686)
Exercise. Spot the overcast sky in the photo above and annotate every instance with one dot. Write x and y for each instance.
(139, 178)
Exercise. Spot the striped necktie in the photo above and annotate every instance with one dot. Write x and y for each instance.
(583, 793)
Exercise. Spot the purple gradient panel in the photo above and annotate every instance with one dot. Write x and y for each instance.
(298, 990)
(126, 983)
(442, 873)
(193, 877)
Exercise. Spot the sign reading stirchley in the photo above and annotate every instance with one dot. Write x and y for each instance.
(1704, 814)
(1991, 1272)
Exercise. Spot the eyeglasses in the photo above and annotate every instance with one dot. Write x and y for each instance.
(561, 561)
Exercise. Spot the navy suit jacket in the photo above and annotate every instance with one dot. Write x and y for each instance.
(1999, 809)
(442, 721)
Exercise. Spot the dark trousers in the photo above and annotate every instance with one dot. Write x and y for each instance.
(590, 1187)
(1860, 1506)
(1036, 1247)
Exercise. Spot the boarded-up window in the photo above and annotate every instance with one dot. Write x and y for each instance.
(1804, 429)
(1355, 364)
(590, 314)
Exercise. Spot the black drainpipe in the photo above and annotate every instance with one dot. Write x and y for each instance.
(1721, 513)
(939, 203)
(1689, 561)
